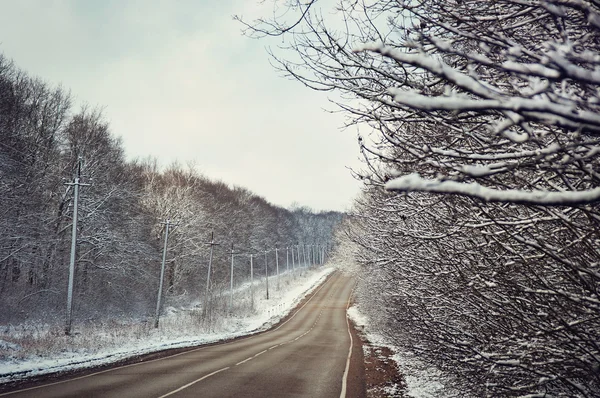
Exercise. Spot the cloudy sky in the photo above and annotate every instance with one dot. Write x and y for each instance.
(178, 81)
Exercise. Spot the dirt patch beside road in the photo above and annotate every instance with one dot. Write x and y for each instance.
(382, 376)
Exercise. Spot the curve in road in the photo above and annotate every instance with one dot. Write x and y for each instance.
(306, 356)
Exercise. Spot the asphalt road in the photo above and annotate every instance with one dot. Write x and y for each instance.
(307, 356)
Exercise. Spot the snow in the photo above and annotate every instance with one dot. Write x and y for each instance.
(476, 170)
(483, 97)
(421, 381)
(531, 69)
(8, 346)
(594, 19)
(177, 330)
(565, 113)
(430, 64)
(414, 182)
(573, 71)
(549, 150)
(515, 136)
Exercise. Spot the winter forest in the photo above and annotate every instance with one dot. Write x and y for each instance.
(475, 239)
(123, 208)
(479, 222)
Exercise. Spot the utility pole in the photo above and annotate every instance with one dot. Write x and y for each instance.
(76, 183)
(321, 254)
(293, 261)
(162, 273)
(304, 254)
(277, 266)
(251, 282)
(287, 260)
(266, 273)
(319, 251)
(212, 244)
(231, 282)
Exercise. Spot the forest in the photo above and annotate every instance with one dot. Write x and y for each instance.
(477, 235)
(46, 146)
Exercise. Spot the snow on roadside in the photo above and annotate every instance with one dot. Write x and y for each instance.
(169, 335)
(421, 381)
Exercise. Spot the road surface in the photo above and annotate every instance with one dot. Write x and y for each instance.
(307, 356)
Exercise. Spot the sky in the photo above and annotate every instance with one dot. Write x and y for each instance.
(178, 81)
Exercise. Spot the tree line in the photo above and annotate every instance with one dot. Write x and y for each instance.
(122, 209)
(478, 231)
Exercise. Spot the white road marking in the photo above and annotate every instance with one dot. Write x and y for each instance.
(345, 377)
(193, 382)
(260, 353)
(244, 361)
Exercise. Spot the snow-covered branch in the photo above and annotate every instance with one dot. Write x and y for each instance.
(414, 182)
(496, 101)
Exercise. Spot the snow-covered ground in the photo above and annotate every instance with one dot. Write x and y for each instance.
(32, 350)
(421, 381)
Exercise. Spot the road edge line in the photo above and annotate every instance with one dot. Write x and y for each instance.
(347, 370)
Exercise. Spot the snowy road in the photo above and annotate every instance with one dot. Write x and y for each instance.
(307, 356)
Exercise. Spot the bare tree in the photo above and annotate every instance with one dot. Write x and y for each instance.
(495, 102)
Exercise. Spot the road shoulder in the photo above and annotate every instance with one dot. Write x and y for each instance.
(381, 376)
